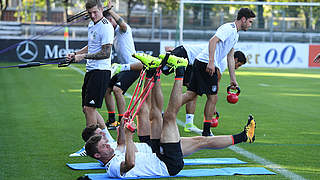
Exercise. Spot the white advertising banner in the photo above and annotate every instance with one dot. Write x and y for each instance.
(261, 54)
(282, 55)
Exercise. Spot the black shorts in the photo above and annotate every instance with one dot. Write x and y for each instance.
(180, 52)
(201, 82)
(94, 87)
(124, 80)
(187, 76)
(153, 143)
(170, 154)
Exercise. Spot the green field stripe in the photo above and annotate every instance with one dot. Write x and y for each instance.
(41, 119)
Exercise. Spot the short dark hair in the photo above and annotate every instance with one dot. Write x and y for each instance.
(241, 57)
(92, 3)
(92, 145)
(245, 12)
(88, 132)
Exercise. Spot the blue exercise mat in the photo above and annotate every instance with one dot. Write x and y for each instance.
(200, 161)
(199, 172)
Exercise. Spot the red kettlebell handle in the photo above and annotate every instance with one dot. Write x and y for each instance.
(238, 90)
(217, 115)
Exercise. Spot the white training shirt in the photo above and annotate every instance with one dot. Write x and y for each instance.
(193, 50)
(228, 35)
(99, 34)
(146, 164)
(141, 147)
(223, 65)
(124, 45)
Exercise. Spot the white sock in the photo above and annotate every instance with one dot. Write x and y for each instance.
(108, 135)
(125, 67)
(189, 118)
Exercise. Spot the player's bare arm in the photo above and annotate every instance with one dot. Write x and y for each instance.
(121, 139)
(121, 135)
(83, 50)
(231, 68)
(117, 18)
(168, 48)
(103, 54)
(212, 48)
(129, 162)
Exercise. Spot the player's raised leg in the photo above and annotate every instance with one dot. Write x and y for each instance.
(190, 145)
(170, 131)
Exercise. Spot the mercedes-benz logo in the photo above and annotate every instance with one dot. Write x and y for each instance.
(27, 51)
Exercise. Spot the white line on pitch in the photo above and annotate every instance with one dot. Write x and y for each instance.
(264, 85)
(239, 150)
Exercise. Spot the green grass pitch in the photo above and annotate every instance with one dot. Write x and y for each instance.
(41, 121)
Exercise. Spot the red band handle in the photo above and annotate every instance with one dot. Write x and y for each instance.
(131, 128)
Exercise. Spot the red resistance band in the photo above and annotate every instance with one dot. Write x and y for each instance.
(146, 91)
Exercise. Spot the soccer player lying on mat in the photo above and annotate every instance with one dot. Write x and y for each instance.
(168, 151)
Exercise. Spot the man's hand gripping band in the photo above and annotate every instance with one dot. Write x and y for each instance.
(129, 124)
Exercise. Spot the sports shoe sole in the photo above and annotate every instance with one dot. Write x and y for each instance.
(250, 128)
(152, 61)
(193, 129)
(175, 59)
(81, 152)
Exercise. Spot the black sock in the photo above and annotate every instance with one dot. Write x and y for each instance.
(239, 138)
(150, 72)
(180, 72)
(155, 145)
(144, 139)
(112, 117)
(120, 117)
(206, 129)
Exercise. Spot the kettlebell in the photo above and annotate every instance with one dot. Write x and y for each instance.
(233, 98)
(214, 121)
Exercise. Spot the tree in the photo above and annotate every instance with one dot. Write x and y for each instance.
(168, 4)
(3, 7)
(27, 9)
(49, 13)
(65, 4)
(260, 15)
(130, 5)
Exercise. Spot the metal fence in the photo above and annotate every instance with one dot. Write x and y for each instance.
(273, 23)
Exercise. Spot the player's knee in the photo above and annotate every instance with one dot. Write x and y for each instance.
(117, 90)
(109, 90)
(169, 116)
(87, 109)
(212, 97)
(155, 114)
(190, 95)
(200, 139)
